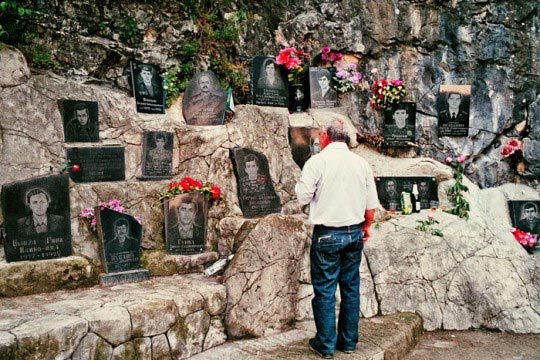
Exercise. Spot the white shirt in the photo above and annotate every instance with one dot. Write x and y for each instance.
(338, 185)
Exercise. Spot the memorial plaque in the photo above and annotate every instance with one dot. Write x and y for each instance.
(525, 215)
(454, 104)
(389, 191)
(97, 163)
(204, 100)
(37, 218)
(185, 223)
(400, 124)
(304, 144)
(147, 88)
(269, 82)
(120, 240)
(124, 277)
(157, 155)
(255, 190)
(80, 120)
(322, 88)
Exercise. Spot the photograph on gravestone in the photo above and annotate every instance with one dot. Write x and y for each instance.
(147, 86)
(453, 104)
(37, 218)
(304, 143)
(389, 191)
(120, 237)
(322, 88)
(525, 215)
(97, 163)
(185, 223)
(157, 155)
(256, 193)
(400, 124)
(80, 119)
(204, 100)
(269, 82)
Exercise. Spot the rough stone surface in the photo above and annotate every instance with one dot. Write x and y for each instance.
(216, 334)
(83, 324)
(161, 263)
(269, 255)
(32, 277)
(15, 70)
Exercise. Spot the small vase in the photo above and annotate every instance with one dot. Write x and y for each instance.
(298, 95)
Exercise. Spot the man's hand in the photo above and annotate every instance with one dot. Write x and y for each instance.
(367, 232)
(369, 215)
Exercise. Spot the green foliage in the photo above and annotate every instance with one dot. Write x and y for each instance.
(455, 193)
(13, 16)
(427, 226)
(42, 58)
(130, 31)
(175, 80)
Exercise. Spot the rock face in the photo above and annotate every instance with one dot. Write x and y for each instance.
(15, 70)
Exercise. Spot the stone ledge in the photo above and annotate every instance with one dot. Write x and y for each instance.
(34, 277)
(160, 263)
(382, 337)
(166, 317)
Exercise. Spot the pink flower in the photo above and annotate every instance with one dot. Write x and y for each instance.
(448, 160)
(336, 56)
(288, 58)
(515, 143)
(374, 71)
(461, 158)
(507, 151)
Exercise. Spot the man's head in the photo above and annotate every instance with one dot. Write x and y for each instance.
(187, 211)
(454, 99)
(38, 201)
(423, 187)
(529, 211)
(251, 166)
(390, 186)
(400, 116)
(81, 113)
(269, 68)
(323, 78)
(160, 141)
(121, 229)
(205, 83)
(335, 131)
(147, 72)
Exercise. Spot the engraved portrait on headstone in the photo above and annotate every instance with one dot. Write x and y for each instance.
(269, 82)
(204, 100)
(80, 119)
(525, 215)
(37, 218)
(157, 154)
(304, 144)
(185, 223)
(97, 163)
(389, 191)
(120, 236)
(256, 192)
(147, 88)
(321, 83)
(400, 124)
(453, 104)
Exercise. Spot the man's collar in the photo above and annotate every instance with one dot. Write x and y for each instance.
(337, 145)
(39, 219)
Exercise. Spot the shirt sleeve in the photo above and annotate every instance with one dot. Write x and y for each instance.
(372, 200)
(307, 185)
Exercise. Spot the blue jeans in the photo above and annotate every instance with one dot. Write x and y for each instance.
(335, 258)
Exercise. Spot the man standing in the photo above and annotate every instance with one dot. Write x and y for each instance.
(340, 189)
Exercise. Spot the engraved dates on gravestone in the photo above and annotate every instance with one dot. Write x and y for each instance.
(80, 120)
(322, 88)
(185, 223)
(157, 154)
(269, 82)
(96, 163)
(304, 144)
(204, 100)
(453, 104)
(389, 191)
(147, 88)
(400, 124)
(255, 190)
(37, 218)
(120, 239)
(525, 215)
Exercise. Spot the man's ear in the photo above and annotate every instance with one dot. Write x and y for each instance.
(324, 140)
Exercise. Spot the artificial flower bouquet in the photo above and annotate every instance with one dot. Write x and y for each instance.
(347, 77)
(295, 61)
(188, 184)
(385, 93)
(511, 147)
(527, 240)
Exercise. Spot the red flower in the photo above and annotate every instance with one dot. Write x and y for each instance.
(216, 191)
(507, 151)
(172, 185)
(184, 185)
(288, 58)
(76, 168)
(515, 143)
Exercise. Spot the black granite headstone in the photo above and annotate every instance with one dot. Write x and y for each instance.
(454, 103)
(147, 88)
(37, 218)
(204, 100)
(525, 215)
(157, 155)
(80, 120)
(120, 239)
(400, 124)
(269, 82)
(96, 163)
(389, 191)
(304, 144)
(322, 88)
(255, 190)
(185, 223)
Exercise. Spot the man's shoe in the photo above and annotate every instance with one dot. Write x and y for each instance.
(313, 348)
(346, 351)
